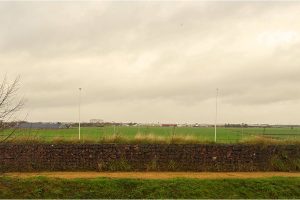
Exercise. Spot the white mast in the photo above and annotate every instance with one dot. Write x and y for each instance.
(216, 114)
(79, 100)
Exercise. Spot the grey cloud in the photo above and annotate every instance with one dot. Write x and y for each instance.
(170, 55)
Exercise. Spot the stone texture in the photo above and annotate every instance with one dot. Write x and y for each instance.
(148, 157)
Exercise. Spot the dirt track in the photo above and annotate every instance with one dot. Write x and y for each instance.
(155, 175)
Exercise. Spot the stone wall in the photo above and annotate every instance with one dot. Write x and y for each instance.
(148, 157)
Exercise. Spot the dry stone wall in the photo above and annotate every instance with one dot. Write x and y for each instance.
(148, 157)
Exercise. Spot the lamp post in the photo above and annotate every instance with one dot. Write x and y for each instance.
(79, 101)
(216, 114)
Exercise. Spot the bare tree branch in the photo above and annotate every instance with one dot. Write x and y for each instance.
(10, 104)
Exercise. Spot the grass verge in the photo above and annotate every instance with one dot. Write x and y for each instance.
(147, 139)
(41, 187)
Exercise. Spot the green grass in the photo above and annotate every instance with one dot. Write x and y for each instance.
(224, 135)
(41, 187)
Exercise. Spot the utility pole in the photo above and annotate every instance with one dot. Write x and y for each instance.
(217, 91)
(242, 130)
(79, 101)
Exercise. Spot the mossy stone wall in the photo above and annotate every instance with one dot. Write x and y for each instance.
(149, 157)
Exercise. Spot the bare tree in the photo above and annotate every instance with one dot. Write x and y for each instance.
(10, 104)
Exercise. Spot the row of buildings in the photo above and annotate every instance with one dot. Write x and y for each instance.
(101, 123)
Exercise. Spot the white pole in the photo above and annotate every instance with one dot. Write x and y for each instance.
(242, 130)
(216, 115)
(79, 113)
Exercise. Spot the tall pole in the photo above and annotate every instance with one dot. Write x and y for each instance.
(242, 130)
(216, 114)
(79, 100)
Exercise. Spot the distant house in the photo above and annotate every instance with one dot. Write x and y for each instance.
(96, 121)
(41, 125)
(168, 125)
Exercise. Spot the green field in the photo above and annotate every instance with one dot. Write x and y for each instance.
(224, 135)
(45, 188)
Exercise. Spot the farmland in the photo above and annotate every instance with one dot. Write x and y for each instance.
(224, 135)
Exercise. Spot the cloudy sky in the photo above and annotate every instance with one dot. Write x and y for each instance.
(154, 61)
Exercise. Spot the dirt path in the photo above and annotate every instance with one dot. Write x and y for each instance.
(155, 175)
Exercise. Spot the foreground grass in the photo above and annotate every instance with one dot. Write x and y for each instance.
(41, 187)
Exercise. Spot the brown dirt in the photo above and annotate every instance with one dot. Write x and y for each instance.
(154, 175)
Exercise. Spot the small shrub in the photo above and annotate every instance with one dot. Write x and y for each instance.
(184, 139)
(285, 162)
(26, 140)
(278, 164)
(296, 164)
(152, 166)
(148, 139)
(101, 166)
(114, 139)
(114, 165)
(172, 166)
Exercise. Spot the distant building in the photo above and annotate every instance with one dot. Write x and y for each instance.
(41, 125)
(96, 121)
(201, 125)
(168, 125)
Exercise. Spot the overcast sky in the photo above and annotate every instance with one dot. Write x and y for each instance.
(154, 61)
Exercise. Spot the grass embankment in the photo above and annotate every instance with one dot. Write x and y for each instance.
(42, 187)
(148, 139)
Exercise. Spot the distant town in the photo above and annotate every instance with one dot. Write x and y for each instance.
(102, 123)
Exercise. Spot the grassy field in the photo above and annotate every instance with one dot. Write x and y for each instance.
(41, 187)
(224, 135)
